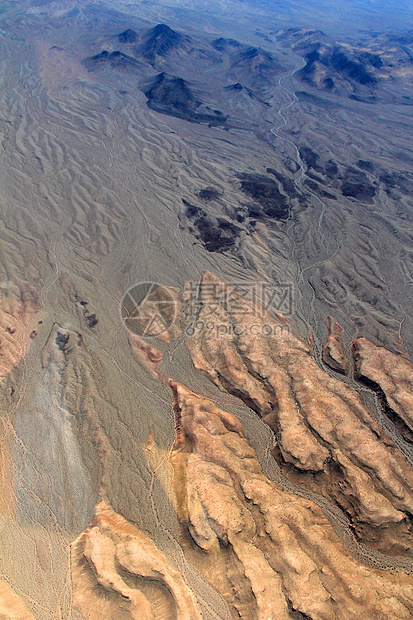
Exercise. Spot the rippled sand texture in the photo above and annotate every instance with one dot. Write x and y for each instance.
(111, 176)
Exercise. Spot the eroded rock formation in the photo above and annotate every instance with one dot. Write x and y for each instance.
(326, 438)
(389, 373)
(118, 572)
(270, 553)
(333, 351)
(145, 353)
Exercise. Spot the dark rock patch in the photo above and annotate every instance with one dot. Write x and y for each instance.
(351, 67)
(92, 320)
(236, 87)
(222, 45)
(370, 99)
(209, 193)
(191, 210)
(334, 67)
(366, 165)
(311, 158)
(270, 203)
(327, 194)
(62, 340)
(252, 64)
(315, 177)
(331, 169)
(389, 179)
(216, 234)
(286, 183)
(160, 41)
(257, 60)
(397, 180)
(127, 36)
(255, 211)
(303, 95)
(98, 59)
(169, 94)
(355, 184)
(374, 60)
(328, 84)
(312, 185)
(116, 60)
(212, 236)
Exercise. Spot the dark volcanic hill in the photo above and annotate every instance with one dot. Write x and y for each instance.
(247, 57)
(256, 60)
(242, 92)
(116, 60)
(349, 69)
(327, 66)
(269, 203)
(248, 65)
(128, 36)
(170, 94)
(159, 42)
(223, 45)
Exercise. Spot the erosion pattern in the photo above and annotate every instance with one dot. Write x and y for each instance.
(333, 351)
(118, 572)
(142, 143)
(391, 375)
(326, 437)
(270, 553)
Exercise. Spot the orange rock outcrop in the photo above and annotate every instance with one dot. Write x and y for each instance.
(12, 607)
(391, 373)
(145, 352)
(270, 553)
(118, 572)
(326, 438)
(333, 353)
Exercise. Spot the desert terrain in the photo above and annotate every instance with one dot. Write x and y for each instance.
(206, 334)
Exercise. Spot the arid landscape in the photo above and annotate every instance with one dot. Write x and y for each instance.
(206, 326)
